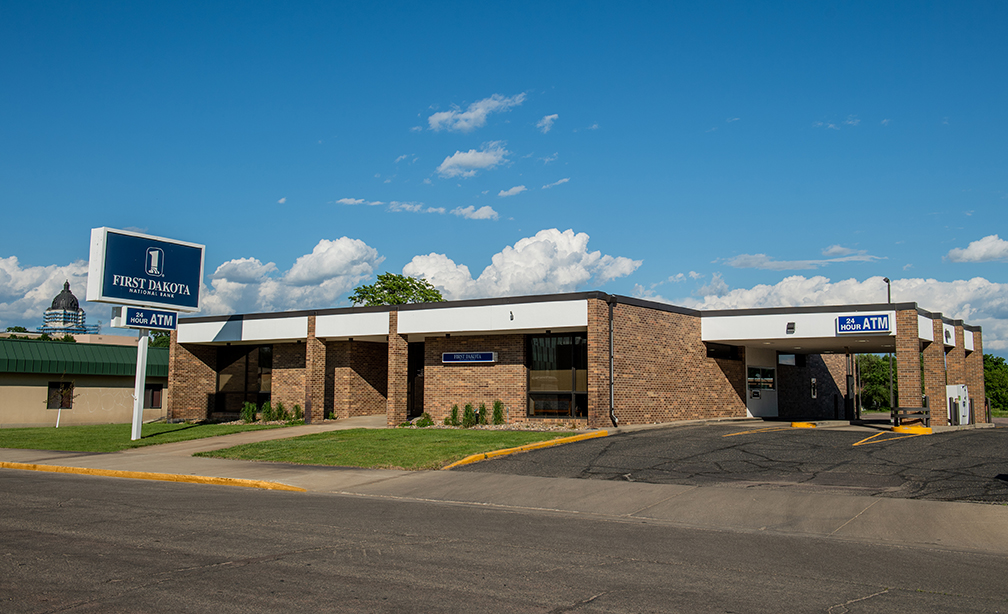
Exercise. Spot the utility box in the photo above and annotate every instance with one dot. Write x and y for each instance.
(958, 404)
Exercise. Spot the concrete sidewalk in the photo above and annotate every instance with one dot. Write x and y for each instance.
(957, 526)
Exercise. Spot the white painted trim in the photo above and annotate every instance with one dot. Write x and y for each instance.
(495, 318)
(925, 329)
(968, 340)
(347, 325)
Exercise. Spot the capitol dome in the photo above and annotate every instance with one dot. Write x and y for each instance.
(66, 300)
(66, 316)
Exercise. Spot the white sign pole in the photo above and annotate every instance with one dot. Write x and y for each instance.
(138, 386)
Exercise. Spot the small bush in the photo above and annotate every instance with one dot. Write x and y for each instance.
(498, 412)
(281, 413)
(268, 414)
(298, 412)
(483, 414)
(453, 419)
(468, 416)
(248, 412)
(425, 421)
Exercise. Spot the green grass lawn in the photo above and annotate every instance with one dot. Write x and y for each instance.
(384, 448)
(114, 437)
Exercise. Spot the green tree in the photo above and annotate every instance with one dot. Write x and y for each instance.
(159, 339)
(17, 329)
(875, 381)
(392, 289)
(996, 381)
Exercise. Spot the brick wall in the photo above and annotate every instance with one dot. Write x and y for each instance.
(598, 364)
(315, 355)
(356, 378)
(934, 375)
(449, 384)
(908, 357)
(398, 354)
(192, 381)
(288, 374)
(794, 394)
(974, 376)
(662, 372)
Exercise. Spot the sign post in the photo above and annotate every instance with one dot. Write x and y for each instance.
(149, 274)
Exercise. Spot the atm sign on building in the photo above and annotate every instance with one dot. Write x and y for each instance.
(131, 268)
(861, 324)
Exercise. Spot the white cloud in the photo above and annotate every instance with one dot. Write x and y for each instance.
(518, 189)
(401, 158)
(27, 292)
(695, 275)
(716, 287)
(282, 200)
(977, 301)
(676, 278)
(988, 249)
(411, 207)
(852, 120)
(829, 125)
(556, 183)
(473, 117)
(546, 123)
(549, 159)
(316, 280)
(472, 213)
(416, 129)
(350, 201)
(549, 262)
(466, 163)
(732, 119)
(762, 261)
(885, 122)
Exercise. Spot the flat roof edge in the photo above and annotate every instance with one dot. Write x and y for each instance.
(807, 309)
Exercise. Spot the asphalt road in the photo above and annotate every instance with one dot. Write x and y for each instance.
(90, 544)
(969, 465)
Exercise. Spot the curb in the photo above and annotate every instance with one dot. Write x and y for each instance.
(803, 425)
(146, 475)
(913, 429)
(475, 458)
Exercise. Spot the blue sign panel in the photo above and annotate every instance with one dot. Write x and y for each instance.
(452, 357)
(149, 318)
(136, 269)
(861, 324)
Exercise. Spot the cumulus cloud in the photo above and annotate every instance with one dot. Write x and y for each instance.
(551, 261)
(762, 261)
(350, 201)
(467, 163)
(475, 116)
(518, 189)
(546, 123)
(472, 213)
(556, 183)
(26, 292)
(315, 280)
(988, 249)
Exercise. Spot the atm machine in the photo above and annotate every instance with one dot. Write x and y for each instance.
(958, 404)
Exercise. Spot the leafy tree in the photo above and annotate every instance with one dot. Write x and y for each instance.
(17, 329)
(875, 381)
(996, 381)
(159, 339)
(392, 289)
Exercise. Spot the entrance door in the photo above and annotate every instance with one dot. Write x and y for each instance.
(414, 380)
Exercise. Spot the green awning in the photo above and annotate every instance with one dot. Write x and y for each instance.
(58, 358)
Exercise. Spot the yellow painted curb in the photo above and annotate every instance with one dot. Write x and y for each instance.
(803, 425)
(915, 429)
(475, 458)
(146, 475)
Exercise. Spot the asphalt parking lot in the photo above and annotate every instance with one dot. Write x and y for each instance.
(969, 465)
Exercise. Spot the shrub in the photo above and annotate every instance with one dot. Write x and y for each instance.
(267, 412)
(425, 421)
(298, 412)
(468, 416)
(248, 412)
(483, 414)
(453, 420)
(498, 412)
(281, 413)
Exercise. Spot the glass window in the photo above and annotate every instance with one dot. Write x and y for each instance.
(152, 396)
(558, 375)
(60, 395)
(761, 378)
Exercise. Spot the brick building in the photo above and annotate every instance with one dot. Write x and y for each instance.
(587, 358)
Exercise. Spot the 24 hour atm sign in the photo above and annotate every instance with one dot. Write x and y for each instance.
(872, 323)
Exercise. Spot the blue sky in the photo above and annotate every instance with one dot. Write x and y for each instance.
(746, 154)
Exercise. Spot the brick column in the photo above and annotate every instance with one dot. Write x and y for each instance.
(315, 355)
(398, 352)
(598, 364)
(956, 358)
(975, 378)
(192, 381)
(934, 374)
(908, 372)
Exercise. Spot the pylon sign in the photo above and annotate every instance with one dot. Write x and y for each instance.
(130, 268)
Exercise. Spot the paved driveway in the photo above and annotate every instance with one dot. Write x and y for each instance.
(956, 466)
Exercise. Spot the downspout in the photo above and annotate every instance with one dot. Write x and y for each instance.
(612, 369)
